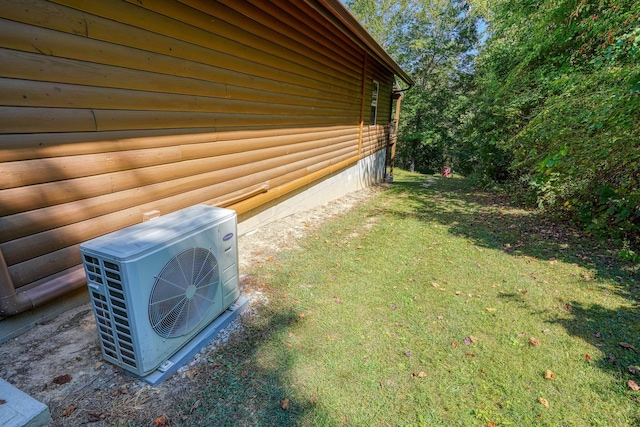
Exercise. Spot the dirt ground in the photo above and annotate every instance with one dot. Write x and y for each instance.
(60, 364)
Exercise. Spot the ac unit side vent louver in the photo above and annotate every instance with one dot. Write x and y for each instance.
(112, 322)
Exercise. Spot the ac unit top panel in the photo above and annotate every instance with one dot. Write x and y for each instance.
(135, 240)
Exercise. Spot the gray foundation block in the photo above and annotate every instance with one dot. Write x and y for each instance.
(19, 409)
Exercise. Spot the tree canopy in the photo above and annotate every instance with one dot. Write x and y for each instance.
(432, 40)
(544, 99)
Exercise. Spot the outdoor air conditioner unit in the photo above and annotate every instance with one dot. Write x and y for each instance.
(154, 286)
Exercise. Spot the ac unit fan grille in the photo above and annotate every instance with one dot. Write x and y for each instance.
(183, 292)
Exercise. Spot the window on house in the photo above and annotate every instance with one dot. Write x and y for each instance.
(374, 102)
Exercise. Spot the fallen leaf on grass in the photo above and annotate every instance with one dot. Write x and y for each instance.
(62, 379)
(633, 385)
(420, 374)
(629, 346)
(534, 341)
(467, 341)
(633, 370)
(162, 421)
(94, 417)
(119, 391)
(587, 357)
(284, 404)
(458, 293)
(407, 353)
(490, 309)
(549, 375)
(194, 406)
(544, 402)
(68, 410)
(454, 344)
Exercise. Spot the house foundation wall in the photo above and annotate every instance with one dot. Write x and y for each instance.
(366, 172)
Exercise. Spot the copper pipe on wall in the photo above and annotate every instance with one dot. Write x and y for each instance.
(13, 302)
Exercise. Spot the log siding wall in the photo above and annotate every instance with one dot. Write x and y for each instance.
(110, 109)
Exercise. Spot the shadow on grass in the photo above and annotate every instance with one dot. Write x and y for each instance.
(240, 386)
(491, 221)
(608, 330)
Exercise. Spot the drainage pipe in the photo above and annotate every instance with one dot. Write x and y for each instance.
(13, 302)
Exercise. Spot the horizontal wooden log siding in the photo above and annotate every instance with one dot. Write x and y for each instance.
(111, 109)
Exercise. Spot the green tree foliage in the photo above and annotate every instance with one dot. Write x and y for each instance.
(557, 109)
(549, 105)
(432, 40)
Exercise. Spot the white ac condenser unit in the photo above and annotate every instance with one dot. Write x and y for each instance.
(156, 285)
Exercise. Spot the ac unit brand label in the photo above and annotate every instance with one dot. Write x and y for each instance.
(227, 237)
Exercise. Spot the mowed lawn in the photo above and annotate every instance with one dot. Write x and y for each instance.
(434, 304)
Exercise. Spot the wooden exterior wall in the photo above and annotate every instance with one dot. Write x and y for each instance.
(110, 109)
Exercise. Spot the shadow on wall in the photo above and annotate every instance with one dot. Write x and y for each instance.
(372, 169)
(71, 190)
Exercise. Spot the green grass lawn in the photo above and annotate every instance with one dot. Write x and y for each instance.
(432, 305)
